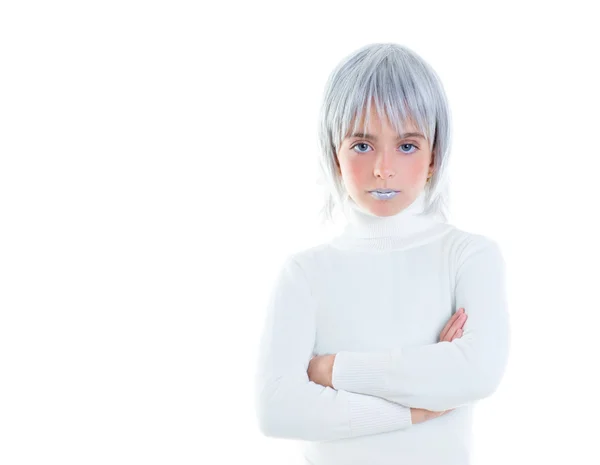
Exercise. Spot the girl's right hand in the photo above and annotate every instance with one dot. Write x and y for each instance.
(451, 331)
(419, 415)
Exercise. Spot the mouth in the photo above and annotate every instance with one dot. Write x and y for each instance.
(384, 194)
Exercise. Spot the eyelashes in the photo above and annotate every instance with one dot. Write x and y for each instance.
(402, 145)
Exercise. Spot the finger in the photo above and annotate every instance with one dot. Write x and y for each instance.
(455, 322)
(458, 324)
(458, 334)
(451, 321)
(448, 325)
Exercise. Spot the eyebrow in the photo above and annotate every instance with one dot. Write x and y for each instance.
(363, 135)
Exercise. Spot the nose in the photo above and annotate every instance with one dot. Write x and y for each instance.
(383, 167)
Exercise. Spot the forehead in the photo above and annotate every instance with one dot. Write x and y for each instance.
(376, 123)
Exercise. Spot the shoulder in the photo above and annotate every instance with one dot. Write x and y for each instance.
(311, 263)
(464, 245)
(297, 270)
(310, 256)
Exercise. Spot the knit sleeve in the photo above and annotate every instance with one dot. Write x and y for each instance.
(446, 374)
(288, 404)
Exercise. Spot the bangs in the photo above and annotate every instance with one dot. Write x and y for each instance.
(400, 92)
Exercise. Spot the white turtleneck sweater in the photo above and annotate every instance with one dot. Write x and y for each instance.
(378, 295)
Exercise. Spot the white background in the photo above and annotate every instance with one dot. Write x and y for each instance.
(159, 161)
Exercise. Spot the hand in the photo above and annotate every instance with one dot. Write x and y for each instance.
(419, 415)
(451, 331)
(320, 369)
(453, 328)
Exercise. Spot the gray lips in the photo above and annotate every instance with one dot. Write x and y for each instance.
(384, 195)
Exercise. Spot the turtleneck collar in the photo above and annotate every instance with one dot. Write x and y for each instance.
(406, 229)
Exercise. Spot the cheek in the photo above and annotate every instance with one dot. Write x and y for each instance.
(357, 171)
(414, 169)
(354, 171)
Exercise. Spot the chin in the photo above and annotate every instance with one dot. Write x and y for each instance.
(387, 213)
(384, 207)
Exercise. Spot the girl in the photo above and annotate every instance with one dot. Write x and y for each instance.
(367, 354)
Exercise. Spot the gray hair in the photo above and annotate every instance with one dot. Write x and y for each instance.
(403, 85)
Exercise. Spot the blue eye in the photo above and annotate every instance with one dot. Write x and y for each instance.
(360, 143)
(412, 145)
(403, 145)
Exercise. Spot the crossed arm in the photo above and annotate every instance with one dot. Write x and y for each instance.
(372, 392)
(447, 374)
(288, 404)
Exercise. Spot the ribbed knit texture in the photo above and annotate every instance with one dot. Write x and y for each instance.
(378, 296)
(365, 231)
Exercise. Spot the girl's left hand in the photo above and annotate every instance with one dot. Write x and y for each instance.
(454, 327)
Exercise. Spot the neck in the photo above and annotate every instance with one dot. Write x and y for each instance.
(408, 228)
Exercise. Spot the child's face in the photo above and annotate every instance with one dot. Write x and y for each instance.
(386, 161)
